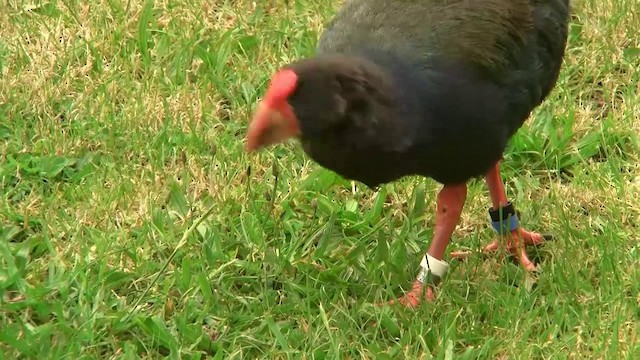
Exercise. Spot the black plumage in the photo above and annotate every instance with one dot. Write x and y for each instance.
(432, 88)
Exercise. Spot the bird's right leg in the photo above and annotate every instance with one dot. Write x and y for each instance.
(450, 202)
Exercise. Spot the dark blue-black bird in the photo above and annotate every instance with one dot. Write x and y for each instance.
(422, 87)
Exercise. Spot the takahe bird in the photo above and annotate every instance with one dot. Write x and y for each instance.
(422, 87)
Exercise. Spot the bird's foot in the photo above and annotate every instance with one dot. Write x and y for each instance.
(414, 297)
(516, 244)
(431, 273)
(529, 238)
(504, 220)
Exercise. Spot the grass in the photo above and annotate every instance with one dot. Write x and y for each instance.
(122, 123)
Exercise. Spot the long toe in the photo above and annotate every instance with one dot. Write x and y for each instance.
(522, 256)
(491, 247)
(532, 238)
(414, 297)
(527, 237)
(517, 247)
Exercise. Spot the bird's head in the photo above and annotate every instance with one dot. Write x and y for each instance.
(310, 98)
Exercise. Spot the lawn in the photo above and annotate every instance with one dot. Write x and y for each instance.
(134, 225)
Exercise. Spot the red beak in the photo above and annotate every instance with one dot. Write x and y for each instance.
(271, 126)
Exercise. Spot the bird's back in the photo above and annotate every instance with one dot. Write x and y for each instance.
(500, 37)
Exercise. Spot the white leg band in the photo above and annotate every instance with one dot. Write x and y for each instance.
(433, 270)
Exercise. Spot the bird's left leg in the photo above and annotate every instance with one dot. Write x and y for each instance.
(450, 202)
(505, 221)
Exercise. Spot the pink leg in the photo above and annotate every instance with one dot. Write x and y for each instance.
(449, 207)
(518, 238)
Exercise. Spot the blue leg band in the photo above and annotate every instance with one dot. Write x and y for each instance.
(504, 219)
